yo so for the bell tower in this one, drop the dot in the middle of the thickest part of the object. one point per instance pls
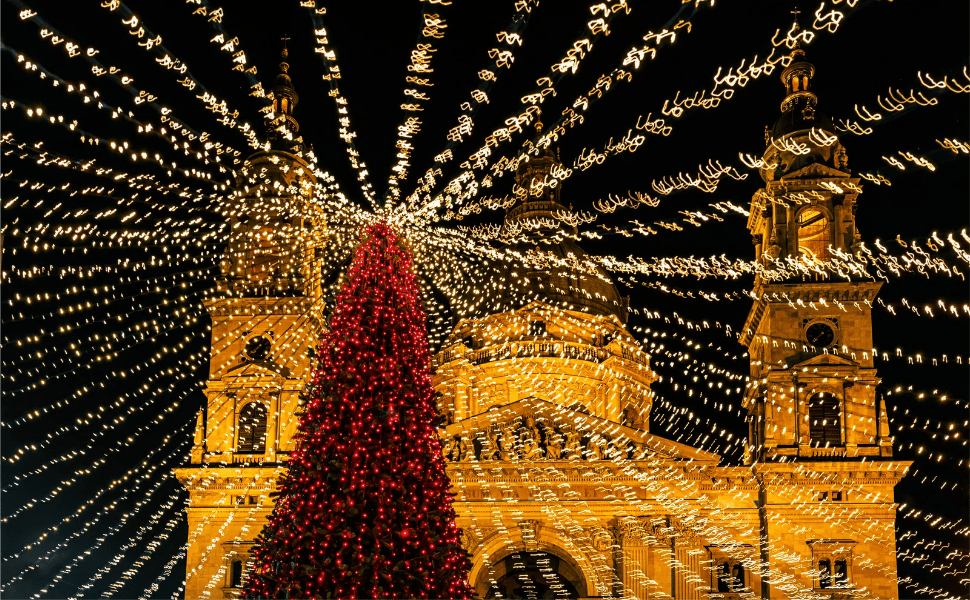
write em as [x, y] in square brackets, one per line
[819, 440]
[264, 320]
[809, 333]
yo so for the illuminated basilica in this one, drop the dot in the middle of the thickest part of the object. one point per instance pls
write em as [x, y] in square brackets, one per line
[562, 489]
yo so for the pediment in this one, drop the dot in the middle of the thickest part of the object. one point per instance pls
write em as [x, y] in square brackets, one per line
[485, 432]
[816, 171]
[826, 359]
[258, 368]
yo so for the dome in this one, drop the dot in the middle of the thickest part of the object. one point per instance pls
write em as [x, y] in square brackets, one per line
[802, 117]
[568, 288]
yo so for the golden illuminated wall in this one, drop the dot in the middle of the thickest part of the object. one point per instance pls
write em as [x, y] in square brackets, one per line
[262, 328]
[819, 441]
[550, 450]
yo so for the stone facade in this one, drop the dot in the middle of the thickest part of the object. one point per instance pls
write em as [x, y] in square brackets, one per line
[561, 488]
[267, 318]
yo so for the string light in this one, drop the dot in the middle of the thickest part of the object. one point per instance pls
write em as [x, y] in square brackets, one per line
[173, 221]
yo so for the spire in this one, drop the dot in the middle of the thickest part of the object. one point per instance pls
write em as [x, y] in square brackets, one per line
[537, 192]
[798, 77]
[285, 97]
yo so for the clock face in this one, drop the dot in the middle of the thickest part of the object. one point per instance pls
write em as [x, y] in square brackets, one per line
[820, 335]
[257, 348]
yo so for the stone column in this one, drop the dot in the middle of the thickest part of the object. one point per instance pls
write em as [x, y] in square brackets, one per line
[688, 575]
[273, 432]
[660, 571]
[631, 559]
[461, 400]
[634, 571]
[838, 237]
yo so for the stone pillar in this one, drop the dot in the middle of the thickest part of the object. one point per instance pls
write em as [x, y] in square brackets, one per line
[273, 425]
[660, 571]
[688, 573]
[633, 571]
[461, 400]
[633, 557]
[838, 237]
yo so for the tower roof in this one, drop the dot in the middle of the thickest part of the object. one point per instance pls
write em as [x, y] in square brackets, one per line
[283, 126]
[798, 110]
[540, 213]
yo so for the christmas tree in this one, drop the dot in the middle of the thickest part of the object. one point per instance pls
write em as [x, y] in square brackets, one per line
[364, 510]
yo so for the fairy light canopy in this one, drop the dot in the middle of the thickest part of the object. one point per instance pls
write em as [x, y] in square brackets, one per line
[150, 171]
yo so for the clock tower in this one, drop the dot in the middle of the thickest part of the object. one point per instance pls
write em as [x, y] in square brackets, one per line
[264, 319]
[819, 439]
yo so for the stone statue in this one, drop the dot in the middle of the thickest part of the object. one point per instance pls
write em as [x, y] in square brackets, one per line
[594, 447]
[572, 449]
[507, 444]
[602, 540]
[529, 437]
[490, 447]
[554, 443]
[447, 448]
[466, 450]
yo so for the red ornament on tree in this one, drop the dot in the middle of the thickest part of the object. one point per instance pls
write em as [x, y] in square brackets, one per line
[364, 510]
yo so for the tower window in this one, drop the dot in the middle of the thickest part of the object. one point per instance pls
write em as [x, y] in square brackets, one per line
[841, 573]
[737, 576]
[730, 577]
[813, 234]
[235, 577]
[823, 420]
[723, 578]
[825, 574]
[252, 428]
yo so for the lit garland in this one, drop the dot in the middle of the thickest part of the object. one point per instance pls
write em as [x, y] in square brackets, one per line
[445, 260]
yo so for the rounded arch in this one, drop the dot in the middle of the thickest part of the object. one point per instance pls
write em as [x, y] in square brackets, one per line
[814, 231]
[496, 548]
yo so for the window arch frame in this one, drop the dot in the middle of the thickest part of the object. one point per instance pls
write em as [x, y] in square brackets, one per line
[832, 552]
[253, 448]
[822, 435]
[825, 231]
[823, 568]
[725, 580]
[236, 577]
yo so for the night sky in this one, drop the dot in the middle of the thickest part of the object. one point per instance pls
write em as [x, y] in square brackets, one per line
[74, 418]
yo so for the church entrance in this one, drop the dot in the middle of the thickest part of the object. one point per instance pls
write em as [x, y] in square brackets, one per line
[533, 575]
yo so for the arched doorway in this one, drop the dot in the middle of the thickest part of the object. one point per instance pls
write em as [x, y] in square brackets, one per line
[533, 575]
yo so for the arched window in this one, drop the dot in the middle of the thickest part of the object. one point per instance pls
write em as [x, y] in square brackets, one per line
[841, 573]
[724, 577]
[813, 234]
[737, 576]
[823, 420]
[824, 574]
[235, 577]
[252, 428]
